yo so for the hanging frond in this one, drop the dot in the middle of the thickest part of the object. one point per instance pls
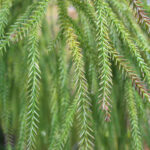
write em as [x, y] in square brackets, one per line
[22, 134]
[24, 24]
[123, 64]
[33, 89]
[54, 121]
[60, 139]
[125, 36]
[83, 108]
[22, 120]
[143, 18]
[133, 117]
[103, 58]
[62, 77]
[4, 12]
[126, 15]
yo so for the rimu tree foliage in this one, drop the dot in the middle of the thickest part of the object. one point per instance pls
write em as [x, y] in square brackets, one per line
[74, 80]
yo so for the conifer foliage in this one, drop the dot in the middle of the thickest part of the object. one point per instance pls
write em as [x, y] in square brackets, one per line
[74, 74]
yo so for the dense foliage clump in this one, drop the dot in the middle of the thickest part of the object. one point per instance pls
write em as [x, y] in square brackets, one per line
[74, 74]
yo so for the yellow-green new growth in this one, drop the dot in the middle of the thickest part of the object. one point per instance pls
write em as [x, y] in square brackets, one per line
[83, 109]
